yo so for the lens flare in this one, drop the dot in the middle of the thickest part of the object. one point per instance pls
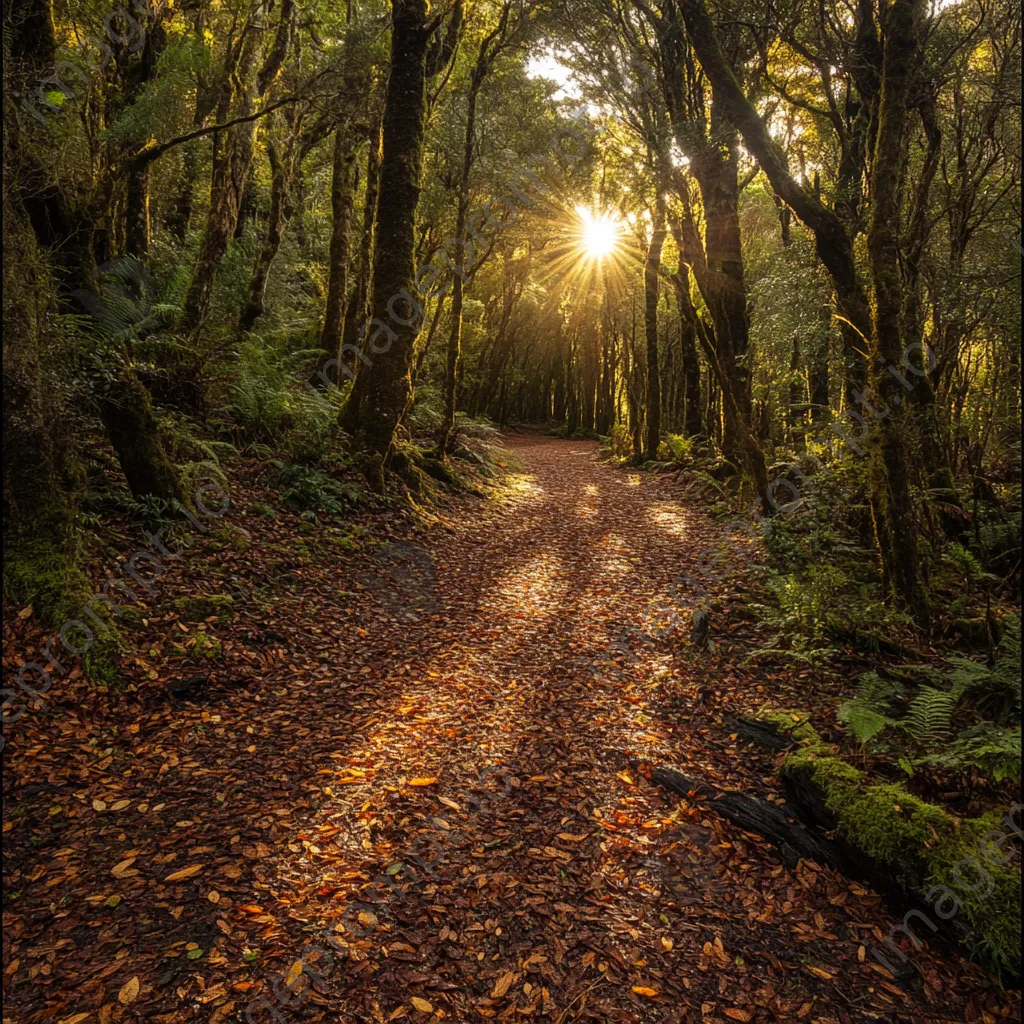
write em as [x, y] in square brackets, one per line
[600, 233]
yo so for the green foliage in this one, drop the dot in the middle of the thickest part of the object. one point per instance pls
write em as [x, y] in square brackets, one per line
[310, 490]
[258, 403]
[867, 714]
[677, 449]
[823, 602]
[994, 751]
[921, 734]
[619, 444]
[924, 844]
[996, 689]
[929, 716]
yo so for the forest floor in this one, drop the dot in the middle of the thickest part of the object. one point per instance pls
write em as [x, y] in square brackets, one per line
[452, 710]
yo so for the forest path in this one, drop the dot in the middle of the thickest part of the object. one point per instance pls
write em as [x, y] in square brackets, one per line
[454, 792]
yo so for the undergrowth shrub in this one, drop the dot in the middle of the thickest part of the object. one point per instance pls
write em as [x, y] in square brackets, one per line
[311, 490]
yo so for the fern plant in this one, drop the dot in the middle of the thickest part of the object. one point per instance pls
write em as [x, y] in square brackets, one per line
[992, 750]
[868, 713]
[929, 716]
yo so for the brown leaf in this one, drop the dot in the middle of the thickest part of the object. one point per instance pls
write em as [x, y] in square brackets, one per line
[184, 873]
[502, 985]
[124, 869]
[422, 1005]
[129, 991]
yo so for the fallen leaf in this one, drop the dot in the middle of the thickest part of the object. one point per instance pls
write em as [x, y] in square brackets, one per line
[502, 985]
[129, 991]
[293, 973]
[428, 781]
[421, 1004]
[122, 870]
[188, 872]
[643, 990]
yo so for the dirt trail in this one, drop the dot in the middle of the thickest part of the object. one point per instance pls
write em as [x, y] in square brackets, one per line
[461, 740]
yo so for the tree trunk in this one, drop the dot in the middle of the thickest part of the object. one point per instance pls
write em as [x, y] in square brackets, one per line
[358, 316]
[652, 272]
[892, 499]
[388, 386]
[282, 167]
[40, 545]
[833, 244]
[342, 203]
[137, 211]
[127, 415]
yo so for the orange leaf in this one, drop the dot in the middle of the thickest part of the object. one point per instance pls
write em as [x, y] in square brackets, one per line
[129, 991]
[184, 873]
[643, 990]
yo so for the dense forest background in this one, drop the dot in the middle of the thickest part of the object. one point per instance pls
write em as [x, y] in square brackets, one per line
[768, 247]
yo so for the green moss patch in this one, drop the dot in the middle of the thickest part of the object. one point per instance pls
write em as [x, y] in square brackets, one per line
[205, 647]
[203, 606]
[934, 854]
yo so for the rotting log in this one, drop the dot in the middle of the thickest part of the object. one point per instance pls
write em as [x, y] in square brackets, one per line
[790, 837]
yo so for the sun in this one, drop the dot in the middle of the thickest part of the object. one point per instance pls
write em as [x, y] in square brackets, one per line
[599, 233]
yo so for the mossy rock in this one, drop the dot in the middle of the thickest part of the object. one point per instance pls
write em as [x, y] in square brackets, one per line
[45, 573]
[356, 539]
[101, 662]
[205, 647]
[201, 607]
[229, 538]
[130, 617]
[924, 847]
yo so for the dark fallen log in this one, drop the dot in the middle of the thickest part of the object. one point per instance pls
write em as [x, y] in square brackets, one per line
[789, 835]
[764, 734]
[187, 689]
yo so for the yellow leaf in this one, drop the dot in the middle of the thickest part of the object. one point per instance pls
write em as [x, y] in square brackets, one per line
[293, 973]
[129, 991]
[99, 805]
[188, 872]
[428, 781]
[422, 1005]
[643, 990]
[120, 805]
[76, 1019]
[121, 870]
[502, 985]
[666, 943]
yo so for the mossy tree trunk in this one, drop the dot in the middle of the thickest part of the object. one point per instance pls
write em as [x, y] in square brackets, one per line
[892, 500]
[692, 420]
[652, 274]
[244, 84]
[127, 414]
[395, 306]
[40, 544]
[343, 188]
[282, 170]
[357, 316]
[388, 387]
